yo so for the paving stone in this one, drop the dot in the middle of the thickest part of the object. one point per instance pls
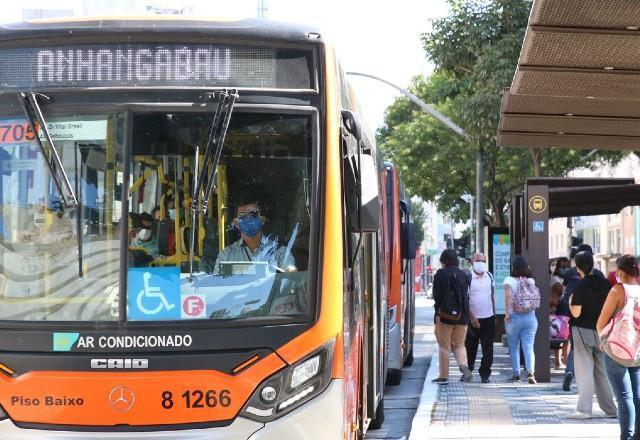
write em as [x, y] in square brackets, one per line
[503, 403]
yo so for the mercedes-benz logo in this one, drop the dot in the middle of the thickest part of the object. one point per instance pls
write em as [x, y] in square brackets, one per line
[122, 398]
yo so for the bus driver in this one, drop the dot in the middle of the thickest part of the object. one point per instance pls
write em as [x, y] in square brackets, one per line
[253, 245]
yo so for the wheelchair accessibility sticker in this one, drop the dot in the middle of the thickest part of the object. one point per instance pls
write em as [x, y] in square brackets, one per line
[153, 294]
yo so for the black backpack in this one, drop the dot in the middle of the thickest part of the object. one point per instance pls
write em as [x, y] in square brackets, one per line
[452, 304]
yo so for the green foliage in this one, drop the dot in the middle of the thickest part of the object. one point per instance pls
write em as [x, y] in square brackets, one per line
[419, 218]
[475, 51]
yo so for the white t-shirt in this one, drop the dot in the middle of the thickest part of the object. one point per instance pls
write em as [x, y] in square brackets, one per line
[480, 302]
[513, 282]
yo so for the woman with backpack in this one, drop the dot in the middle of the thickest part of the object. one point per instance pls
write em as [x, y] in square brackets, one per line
[587, 301]
[624, 374]
[522, 298]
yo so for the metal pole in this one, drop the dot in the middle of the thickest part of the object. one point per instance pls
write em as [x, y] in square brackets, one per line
[471, 233]
[479, 202]
[460, 132]
[423, 105]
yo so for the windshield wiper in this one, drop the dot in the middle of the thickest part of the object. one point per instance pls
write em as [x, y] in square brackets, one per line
[32, 111]
[212, 153]
[31, 108]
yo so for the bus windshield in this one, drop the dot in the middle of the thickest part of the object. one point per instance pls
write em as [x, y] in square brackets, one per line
[251, 249]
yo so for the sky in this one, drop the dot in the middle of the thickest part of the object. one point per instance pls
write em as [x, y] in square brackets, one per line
[375, 37]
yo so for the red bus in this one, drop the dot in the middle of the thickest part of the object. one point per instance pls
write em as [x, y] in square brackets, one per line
[402, 252]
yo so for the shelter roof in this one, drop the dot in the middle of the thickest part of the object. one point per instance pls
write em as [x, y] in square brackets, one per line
[577, 83]
[572, 197]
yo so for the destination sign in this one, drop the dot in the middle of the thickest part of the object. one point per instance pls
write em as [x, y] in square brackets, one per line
[144, 65]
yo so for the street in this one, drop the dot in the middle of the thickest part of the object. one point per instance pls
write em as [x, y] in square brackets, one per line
[401, 402]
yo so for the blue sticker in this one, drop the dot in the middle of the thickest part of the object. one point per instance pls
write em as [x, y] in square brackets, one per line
[64, 341]
[153, 294]
[538, 226]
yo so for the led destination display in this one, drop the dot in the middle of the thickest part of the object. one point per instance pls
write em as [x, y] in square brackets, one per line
[143, 65]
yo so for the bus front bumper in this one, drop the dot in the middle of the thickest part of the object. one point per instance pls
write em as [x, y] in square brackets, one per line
[320, 418]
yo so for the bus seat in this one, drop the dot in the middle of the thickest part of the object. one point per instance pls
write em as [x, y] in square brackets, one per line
[166, 238]
[139, 258]
[185, 233]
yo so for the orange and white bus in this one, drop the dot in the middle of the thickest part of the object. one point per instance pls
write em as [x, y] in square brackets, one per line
[401, 293]
[189, 234]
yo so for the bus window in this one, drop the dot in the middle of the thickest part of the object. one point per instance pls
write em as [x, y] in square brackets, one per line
[251, 246]
[47, 274]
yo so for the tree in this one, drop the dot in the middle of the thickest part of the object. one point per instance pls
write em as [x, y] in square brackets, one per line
[475, 51]
[419, 218]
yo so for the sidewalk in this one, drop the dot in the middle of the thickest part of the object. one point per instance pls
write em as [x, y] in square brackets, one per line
[501, 410]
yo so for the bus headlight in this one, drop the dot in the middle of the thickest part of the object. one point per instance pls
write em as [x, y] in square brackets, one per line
[291, 387]
[305, 371]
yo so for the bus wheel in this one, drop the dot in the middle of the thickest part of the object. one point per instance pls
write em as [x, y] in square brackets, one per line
[378, 419]
[394, 376]
[409, 360]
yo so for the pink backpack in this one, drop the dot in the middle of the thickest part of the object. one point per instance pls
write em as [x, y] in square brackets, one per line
[621, 336]
[558, 328]
[526, 297]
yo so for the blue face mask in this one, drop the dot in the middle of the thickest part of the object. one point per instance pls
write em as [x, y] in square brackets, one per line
[250, 226]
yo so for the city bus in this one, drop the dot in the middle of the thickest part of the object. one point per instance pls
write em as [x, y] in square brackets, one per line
[401, 293]
[190, 241]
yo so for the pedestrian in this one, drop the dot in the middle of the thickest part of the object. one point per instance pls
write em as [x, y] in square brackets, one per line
[559, 311]
[625, 381]
[587, 301]
[482, 310]
[522, 298]
[571, 279]
[451, 296]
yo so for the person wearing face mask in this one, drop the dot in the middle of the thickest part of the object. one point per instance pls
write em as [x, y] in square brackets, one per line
[143, 236]
[571, 279]
[587, 300]
[253, 245]
[482, 312]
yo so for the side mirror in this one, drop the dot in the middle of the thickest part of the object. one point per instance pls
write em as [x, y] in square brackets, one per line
[407, 233]
[409, 247]
[364, 211]
[351, 122]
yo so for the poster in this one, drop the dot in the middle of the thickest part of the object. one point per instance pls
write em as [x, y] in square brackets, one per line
[501, 253]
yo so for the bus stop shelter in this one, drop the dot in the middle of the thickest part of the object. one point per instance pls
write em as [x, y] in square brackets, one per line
[577, 85]
[547, 198]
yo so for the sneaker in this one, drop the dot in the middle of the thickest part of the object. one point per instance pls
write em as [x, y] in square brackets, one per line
[515, 378]
[467, 376]
[485, 380]
[566, 383]
[610, 416]
[579, 416]
[440, 381]
[531, 379]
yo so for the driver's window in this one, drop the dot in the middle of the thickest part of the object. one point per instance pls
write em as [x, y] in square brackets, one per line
[251, 246]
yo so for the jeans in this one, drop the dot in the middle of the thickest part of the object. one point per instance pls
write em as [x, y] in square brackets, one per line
[522, 331]
[484, 336]
[625, 383]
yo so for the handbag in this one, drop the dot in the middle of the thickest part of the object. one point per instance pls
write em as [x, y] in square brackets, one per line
[558, 328]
